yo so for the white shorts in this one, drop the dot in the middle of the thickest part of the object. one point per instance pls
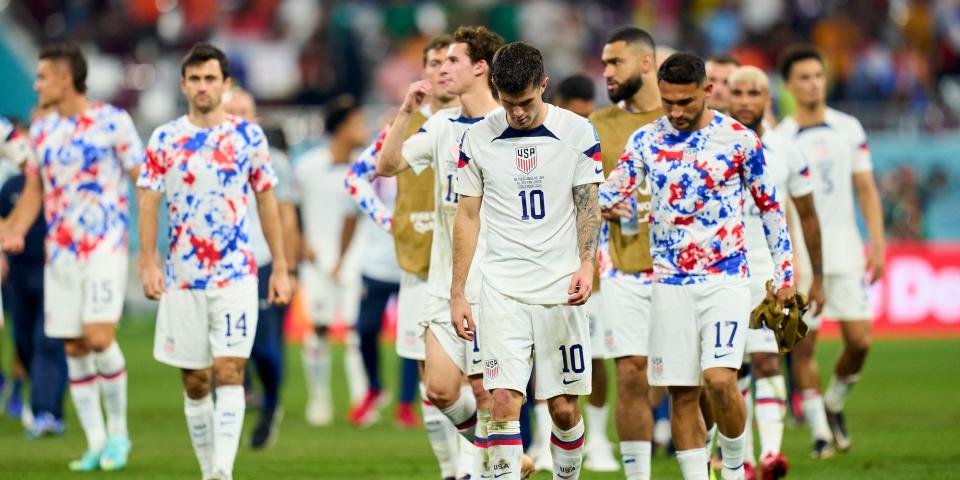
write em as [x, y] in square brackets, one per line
[194, 326]
[761, 340]
[465, 354]
[411, 306]
[518, 337]
[697, 327]
[325, 298]
[85, 292]
[629, 322]
[600, 334]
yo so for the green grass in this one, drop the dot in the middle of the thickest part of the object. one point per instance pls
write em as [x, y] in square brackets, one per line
[904, 418]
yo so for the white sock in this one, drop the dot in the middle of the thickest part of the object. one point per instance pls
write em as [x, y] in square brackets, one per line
[86, 399]
[541, 434]
[227, 425]
[816, 416]
[505, 449]
[463, 415]
[596, 424]
[636, 459]
[482, 455]
[748, 428]
[113, 385]
[770, 409]
[466, 457]
[731, 453]
[837, 391]
[199, 415]
[661, 431]
[316, 364]
[441, 434]
[693, 464]
[357, 381]
[711, 435]
[567, 449]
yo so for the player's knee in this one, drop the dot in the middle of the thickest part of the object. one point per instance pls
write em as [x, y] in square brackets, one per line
[98, 339]
[442, 398]
[564, 415]
[75, 347]
[859, 345]
[766, 365]
[229, 372]
[719, 380]
[632, 377]
[196, 384]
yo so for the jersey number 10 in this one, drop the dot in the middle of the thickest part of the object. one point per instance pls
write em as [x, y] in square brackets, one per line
[533, 199]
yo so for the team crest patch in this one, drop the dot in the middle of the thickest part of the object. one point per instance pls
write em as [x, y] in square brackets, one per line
[491, 369]
[526, 159]
[657, 366]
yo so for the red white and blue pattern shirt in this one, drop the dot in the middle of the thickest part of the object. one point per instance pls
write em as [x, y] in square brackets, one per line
[697, 182]
[207, 174]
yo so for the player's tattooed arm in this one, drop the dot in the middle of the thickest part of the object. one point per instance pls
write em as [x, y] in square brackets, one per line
[587, 203]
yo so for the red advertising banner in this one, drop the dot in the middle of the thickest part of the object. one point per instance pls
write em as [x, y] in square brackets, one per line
[920, 293]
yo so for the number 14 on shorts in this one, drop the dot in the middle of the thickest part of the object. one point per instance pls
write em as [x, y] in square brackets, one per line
[240, 325]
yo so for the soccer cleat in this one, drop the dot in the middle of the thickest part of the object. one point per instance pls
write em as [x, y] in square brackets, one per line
[600, 457]
[319, 410]
[89, 462]
[838, 425]
[368, 412]
[405, 417]
[14, 406]
[218, 475]
[267, 430]
[114, 456]
[45, 424]
[773, 467]
[821, 449]
[749, 472]
[527, 467]
[796, 407]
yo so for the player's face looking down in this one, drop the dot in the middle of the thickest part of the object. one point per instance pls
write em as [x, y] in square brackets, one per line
[579, 106]
[203, 85]
[684, 103]
[431, 72]
[458, 71]
[717, 75]
[354, 130]
[525, 110]
[623, 68]
[52, 83]
[748, 102]
[807, 82]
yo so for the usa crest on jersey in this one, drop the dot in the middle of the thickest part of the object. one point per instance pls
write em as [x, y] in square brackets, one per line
[526, 159]
[491, 369]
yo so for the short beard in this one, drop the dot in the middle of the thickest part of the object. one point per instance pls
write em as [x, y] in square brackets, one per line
[627, 89]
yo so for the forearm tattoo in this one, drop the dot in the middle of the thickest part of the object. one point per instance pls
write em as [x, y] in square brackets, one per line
[587, 202]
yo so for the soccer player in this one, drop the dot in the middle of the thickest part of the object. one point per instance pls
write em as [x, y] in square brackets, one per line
[719, 68]
[749, 96]
[411, 223]
[84, 149]
[836, 146]
[699, 163]
[535, 168]
[448, 357]
[624, 253]
[576, 93]
[205, 163]
[267, 351]
[330, 271]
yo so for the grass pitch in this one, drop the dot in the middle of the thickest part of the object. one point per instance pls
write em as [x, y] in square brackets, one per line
[904, 417]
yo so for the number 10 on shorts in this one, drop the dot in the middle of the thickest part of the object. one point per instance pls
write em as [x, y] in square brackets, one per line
[572, 358]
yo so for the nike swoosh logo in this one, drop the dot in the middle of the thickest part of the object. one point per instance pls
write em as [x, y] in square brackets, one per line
[475, 362]
[501, 474]
[568, 382]
[231, 345]
[721, 356]
[559, 475]
[598, 171]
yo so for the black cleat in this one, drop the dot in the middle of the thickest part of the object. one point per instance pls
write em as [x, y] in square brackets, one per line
[821, 449]
[841, 438]
[267, 429]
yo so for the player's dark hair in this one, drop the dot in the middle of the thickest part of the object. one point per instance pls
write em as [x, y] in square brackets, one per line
[338, 111]
[681, 69]
[633, 35]
[794, 54]
[203, 53]
[435, 43]
[73, 57]
[516, 67]
[482, 44]
[724, 59]
[575, 87]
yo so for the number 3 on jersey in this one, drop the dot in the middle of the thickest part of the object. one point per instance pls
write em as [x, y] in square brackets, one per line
[531, 204]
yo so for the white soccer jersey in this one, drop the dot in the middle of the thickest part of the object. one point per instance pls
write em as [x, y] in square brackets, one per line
[835, 150]
[789, 172]
[526, 179]
[437, 144]
[14, 146]
[324, 206]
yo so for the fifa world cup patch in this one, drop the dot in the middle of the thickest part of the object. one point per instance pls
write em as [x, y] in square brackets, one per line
[526, 159]
[491, 369]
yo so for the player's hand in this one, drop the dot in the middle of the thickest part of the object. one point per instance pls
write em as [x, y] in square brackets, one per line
[280, 289]
[418, 93]
[151, 276]
[620, 210]
[784, 296]
[581, 285]
[876, 262]
[12, 242]
[307, 253]
[335, 271]
[461, 315]
[815, 295]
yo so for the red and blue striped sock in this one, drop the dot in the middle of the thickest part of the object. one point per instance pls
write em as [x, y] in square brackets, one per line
[505, 449]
